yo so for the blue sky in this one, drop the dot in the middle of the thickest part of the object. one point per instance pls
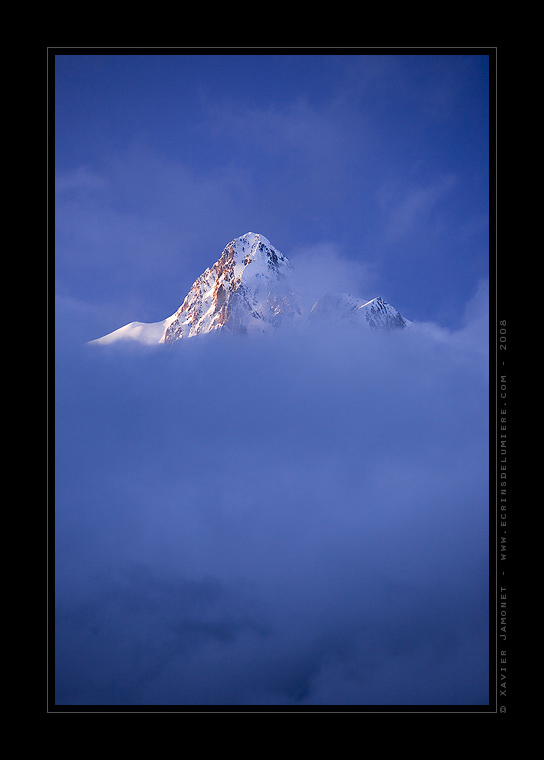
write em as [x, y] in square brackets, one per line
[380, 161]
[296, 521]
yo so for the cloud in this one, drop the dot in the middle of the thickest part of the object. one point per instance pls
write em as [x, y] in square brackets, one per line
[281, 521]
[293, 128]
[82, 179]
[143, 225]
[323, 267]
[308, 163]
[472, 339]
[410, 208]
[475, 331]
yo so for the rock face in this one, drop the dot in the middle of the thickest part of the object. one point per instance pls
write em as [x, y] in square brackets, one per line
[251, 288]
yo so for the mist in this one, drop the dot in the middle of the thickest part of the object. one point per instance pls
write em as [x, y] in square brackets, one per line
[291, 520]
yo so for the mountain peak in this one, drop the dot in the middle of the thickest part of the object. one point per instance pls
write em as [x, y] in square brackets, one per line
[342, 307]
[251, 237]
[251, 288]
[243, 291]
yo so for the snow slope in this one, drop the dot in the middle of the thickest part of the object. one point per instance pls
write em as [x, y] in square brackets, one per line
[148, 333]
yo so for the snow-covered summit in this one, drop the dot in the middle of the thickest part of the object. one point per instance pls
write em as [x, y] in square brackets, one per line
[251, 288]
[342, 307]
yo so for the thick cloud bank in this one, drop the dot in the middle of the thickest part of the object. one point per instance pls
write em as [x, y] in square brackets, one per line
[281, 521]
